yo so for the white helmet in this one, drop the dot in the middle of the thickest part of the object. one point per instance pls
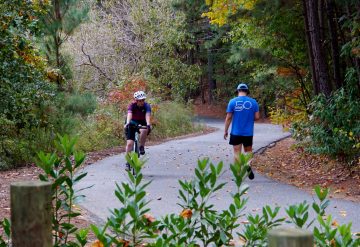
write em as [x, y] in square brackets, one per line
[139, 95]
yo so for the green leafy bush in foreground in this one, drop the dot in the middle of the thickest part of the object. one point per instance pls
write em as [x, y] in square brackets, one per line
[199, 223]
[59, 168]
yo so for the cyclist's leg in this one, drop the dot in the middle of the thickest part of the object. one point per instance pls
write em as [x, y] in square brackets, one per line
[142, 140]
[130, 136]
[143, 135]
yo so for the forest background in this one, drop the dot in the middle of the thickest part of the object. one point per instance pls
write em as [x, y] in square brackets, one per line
[71, 66]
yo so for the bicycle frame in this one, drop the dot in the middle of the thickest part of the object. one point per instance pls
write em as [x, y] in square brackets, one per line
[136, 143]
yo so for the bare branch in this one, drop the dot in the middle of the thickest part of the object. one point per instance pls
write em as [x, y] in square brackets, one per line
[91, 63]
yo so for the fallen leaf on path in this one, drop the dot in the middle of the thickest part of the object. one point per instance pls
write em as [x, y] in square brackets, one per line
[343, 213]
[186, 213]
[97, 243]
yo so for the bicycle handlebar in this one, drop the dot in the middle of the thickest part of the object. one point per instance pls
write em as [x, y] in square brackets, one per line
[141, 126]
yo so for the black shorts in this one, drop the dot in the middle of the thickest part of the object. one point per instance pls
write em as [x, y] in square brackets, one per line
[130, 130]
[247, 141]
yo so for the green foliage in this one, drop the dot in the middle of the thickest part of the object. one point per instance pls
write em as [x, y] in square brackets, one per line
[6, 230]
[25, 94]
[205, 224]
[131, 223]
[59, 168]
[255, 232]
[20, 144]
[299, 214]
[198, 223]
[327, 235]
[333, 128]
[19, 148]
[83, 104]
[172, 123]
[60, 21]
[101, 130]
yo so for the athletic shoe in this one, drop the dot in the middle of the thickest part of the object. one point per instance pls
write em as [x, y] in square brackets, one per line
[251, 174]
[127, 167]
[142, 150]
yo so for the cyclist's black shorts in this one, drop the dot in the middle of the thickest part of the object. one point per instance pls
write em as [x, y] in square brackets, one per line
[130, 130]
[247, 141]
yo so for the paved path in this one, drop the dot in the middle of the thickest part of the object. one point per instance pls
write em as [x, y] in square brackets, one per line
[174, 160]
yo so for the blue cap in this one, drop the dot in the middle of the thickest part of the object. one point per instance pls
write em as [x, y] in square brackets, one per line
[242, 86]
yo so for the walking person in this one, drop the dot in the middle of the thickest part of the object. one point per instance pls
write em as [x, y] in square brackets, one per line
[242, 111]
[138, 113]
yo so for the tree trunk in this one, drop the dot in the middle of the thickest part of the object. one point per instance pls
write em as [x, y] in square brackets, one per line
[211, 80]
[319, 57]
[355, 62]
[321, 6]
[335, 52]
[57, 43]
[310, 52]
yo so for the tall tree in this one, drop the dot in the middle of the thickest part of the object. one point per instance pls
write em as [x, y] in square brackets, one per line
[62, 18]
[318, 55]
[209, 50]
[335, 49]
[199, 31]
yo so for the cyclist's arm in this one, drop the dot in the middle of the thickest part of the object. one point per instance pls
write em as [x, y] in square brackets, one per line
[128, 117]
[148, 118]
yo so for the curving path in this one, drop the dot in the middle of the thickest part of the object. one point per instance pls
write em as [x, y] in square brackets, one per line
[168, 162]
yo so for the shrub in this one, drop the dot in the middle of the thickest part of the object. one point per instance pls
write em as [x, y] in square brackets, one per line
[333, 128]
[101, 130]
[173, 119]
[60, 168]
[83, 104]
[19, 143]
[199, 223]
[104, 128]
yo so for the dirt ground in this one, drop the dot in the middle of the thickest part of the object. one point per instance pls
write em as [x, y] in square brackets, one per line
[283, 162]
[289, 164]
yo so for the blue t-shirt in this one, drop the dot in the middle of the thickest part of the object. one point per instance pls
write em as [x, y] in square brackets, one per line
[243, 110]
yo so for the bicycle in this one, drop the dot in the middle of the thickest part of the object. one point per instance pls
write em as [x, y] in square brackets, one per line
[136, 143]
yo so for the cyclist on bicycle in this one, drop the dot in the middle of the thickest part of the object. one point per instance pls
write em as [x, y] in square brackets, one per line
[139, 113]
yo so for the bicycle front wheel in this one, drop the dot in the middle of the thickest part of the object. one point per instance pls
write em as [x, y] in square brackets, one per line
[136, 147]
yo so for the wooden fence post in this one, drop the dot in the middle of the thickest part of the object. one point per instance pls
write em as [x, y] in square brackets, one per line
[290, 237]
[31, 214]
